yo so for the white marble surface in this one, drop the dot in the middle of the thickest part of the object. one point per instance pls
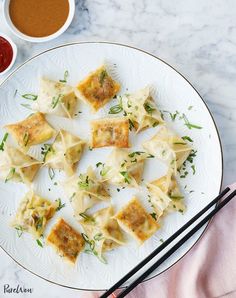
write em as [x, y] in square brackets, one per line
[197, 37]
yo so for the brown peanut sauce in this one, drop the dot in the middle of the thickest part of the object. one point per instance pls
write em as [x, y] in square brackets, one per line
[38, 18]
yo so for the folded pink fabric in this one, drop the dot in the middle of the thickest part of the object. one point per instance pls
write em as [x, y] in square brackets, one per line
[207, 271]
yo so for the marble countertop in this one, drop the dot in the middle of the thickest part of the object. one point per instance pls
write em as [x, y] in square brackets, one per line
[197, 37]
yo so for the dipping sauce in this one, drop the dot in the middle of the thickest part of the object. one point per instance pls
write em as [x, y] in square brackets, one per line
[38, 18]
[6, 54]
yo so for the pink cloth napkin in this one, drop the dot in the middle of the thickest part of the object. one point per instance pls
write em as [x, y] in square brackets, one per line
[207, 271]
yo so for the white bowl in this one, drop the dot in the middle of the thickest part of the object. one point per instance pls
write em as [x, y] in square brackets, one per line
[14, 48]
[38, 39]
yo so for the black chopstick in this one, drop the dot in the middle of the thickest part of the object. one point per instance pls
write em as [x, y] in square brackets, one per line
[176, 246]
[163, 245]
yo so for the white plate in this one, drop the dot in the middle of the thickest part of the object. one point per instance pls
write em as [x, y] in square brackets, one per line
[135, 69]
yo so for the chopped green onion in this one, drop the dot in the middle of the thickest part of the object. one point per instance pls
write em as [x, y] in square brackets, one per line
[87, 217]
[60, 205]
[39, 243]
[51, 173]
[162, 115]
[155, 124]
[10, 175]
[154, 215]
[172, 115]
[30, 96]
[73, 195]
[55, 100]
[129, 105]
[98, 237]
[192, 155]
[115, 109]
[131, 125]
[19, 231]
[3, 141]
[86, 238]
[126, 176]
[99, 164]
[39, 223]
[66, 74]
[188, 124]
[184, 174]
[104, 171]
[187, 138]
[179, 143]
[193, 168]
[176, 197]
[148, 108]
[136, 153]
[102, 76]
[91, 248]
[83, 183]
[27, 106]
[45, 150]
[26, 138]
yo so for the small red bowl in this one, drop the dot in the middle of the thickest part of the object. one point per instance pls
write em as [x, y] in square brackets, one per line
[14, 49]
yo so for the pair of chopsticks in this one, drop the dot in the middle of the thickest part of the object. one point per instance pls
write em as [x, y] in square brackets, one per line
[167, 242]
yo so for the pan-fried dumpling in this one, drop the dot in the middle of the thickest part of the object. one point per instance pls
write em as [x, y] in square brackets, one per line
[141, 109]
[168, 147]
[124, 168]
[98, 88]
[110, 132]
[31, 131]
[65, 152]
[85, 191]
[135, 220]
[33, 214]
[16, 166]
[66, 241]
[102, 232]
[165, 195]
[56, 98]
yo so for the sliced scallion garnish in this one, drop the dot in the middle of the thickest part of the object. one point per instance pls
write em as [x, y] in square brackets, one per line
[51, 173]
[30, 96]
[60, 205]
[66, 75]
[10, 174]
[26, 138]
[3, 141]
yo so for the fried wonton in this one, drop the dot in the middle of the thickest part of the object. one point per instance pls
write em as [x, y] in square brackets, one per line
[98, 88]
[65, 152]
[56, 98]
[165, 195]
[16, 166]
[102, 232]
[168, 147]
[66, 240]
[85, 191]
[135, 221]
[33, 214]
[124, 168]
[31, 131]
[110, 132]
[141, 109]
